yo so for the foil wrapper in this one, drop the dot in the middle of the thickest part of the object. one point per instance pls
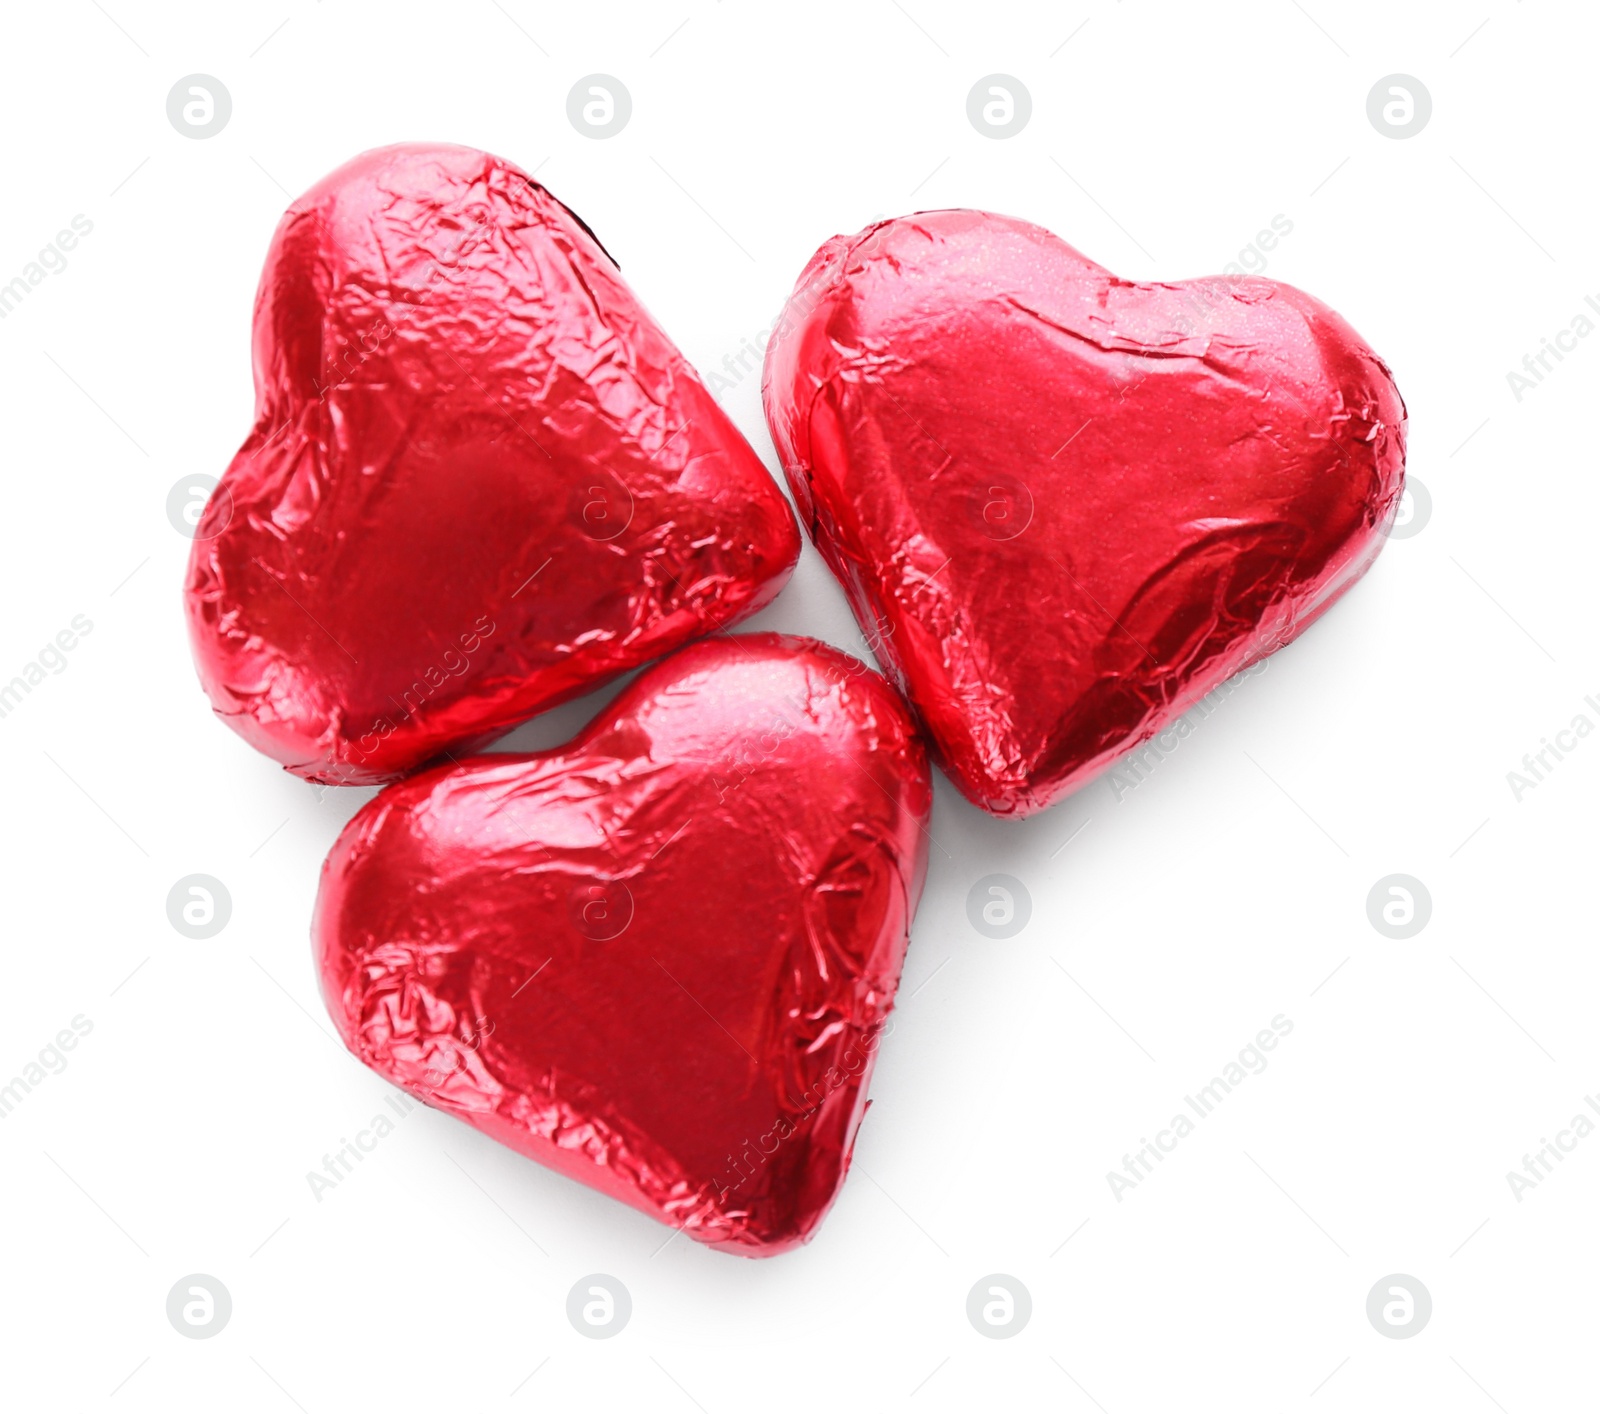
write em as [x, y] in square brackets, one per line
[481, 480]
[1066, 506]
[661, 958]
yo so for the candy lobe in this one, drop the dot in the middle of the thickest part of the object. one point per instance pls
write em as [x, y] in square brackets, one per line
[481, 479]
[1065, 506]
[660, 959]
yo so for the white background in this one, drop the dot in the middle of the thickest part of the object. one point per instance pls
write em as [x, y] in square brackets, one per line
[1226, 889]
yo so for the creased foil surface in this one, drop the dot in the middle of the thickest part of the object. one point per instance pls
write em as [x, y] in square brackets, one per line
[481, 480]
[1066, 506]
[660, 959]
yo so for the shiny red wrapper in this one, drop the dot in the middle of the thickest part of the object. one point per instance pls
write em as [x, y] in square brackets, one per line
[659, 959]
[481, 480]
[1066, 506]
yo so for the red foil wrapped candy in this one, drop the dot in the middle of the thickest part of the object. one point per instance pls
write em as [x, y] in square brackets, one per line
[659, 959]
[481, 480]
[1066, 506]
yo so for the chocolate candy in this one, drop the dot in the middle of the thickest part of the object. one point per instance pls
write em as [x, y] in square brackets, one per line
[1066, 506]
[660, 959]
[481, 480]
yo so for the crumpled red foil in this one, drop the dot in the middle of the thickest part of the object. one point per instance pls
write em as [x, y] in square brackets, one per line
[660, 959]
[481, 479]
[1066, 506]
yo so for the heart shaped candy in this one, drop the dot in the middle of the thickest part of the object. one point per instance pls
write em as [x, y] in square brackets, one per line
[1066, 506]
[481, 480]
[660, 958]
